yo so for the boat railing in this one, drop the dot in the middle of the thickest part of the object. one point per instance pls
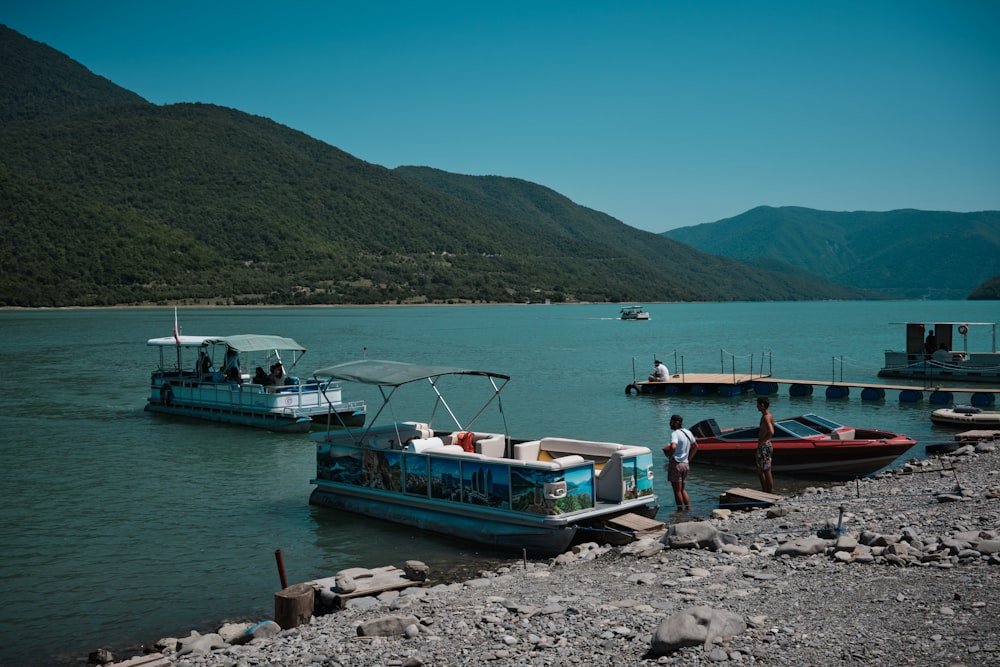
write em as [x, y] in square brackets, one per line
[247, 395]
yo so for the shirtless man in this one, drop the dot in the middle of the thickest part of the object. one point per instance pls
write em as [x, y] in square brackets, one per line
[764, 448]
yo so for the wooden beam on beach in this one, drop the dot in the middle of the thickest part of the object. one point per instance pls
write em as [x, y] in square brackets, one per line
[367, 582]
[637, 524]
[740, 498]
[150, 660]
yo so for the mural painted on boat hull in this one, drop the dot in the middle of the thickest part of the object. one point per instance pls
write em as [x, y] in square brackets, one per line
[637, 476]
[544, 492]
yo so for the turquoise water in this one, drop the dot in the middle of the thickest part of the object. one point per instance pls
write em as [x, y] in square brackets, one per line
[121, 527]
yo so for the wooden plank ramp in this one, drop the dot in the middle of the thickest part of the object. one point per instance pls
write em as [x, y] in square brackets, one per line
[741, 499]
[150, 660]
[367, 581]
[631, 527]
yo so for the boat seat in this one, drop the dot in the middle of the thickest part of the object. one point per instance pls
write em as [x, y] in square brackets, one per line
[843, 435]
[420, 444]
[569, 461]
[582, 447]
[490, 444]
[527, 451]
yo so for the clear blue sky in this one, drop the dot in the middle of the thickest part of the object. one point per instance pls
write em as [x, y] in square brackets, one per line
[662, 114]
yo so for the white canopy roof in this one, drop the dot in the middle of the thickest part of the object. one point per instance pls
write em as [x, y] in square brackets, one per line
[393, 373]
[240, 343]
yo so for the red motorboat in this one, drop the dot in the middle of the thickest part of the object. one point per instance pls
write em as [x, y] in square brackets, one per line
[808, 444]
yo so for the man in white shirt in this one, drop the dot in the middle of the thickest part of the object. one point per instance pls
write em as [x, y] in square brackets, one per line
[680, 452]
[660, 372]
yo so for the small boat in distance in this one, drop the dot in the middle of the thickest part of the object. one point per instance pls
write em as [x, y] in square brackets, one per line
[480, 486]
[634, 313]
[966, 415]
[934, 353]
[210, 377]
[808, 444]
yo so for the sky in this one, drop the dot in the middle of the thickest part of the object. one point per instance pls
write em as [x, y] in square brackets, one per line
[661, 114]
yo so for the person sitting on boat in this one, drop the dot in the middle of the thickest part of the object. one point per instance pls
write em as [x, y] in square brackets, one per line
[278, 377]
[930, 345]
[942, 353]
[233, 375]
[262, 378]
[660, 372]
[204, 366]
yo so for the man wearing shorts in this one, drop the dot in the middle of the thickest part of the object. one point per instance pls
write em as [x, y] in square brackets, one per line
[764, 447]
[680, 453]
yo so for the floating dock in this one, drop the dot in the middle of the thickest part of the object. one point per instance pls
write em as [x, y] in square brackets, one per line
[735, 384]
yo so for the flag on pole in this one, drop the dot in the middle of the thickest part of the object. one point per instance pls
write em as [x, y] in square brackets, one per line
[177, 334]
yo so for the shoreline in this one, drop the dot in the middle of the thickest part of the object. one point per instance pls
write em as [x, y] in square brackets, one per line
[879, 572]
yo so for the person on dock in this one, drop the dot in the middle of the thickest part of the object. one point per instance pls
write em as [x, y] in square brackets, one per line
[681, 451]
[764, 447]
[660, 372]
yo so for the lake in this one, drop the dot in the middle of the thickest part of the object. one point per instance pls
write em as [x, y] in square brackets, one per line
[121, 527]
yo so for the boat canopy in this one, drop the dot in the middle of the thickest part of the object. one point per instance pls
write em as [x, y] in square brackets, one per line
[394, 373]
[239, 343]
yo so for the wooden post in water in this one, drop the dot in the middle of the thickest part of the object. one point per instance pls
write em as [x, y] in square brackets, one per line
[281, 568]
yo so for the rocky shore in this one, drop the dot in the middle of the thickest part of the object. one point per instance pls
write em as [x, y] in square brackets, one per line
[901, 569]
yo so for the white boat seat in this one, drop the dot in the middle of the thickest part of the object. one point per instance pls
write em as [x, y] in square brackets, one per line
[490, 444]
[582, 447]
[527, 451]
[420, 444]
[569, 461]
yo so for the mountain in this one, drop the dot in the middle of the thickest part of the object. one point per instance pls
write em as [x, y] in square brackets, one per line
[905, 253]
[107, 199]
[988, 291]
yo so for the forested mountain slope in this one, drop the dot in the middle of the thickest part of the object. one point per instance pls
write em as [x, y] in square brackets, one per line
[904, 253]
[107, 199]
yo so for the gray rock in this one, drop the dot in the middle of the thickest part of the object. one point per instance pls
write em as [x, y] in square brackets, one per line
[803, 546]
[199, 644]
[987, 546]
[263, 630]
[416, 570]
[696, 626]
[233, 632]
[344, 583]
[386, 626]
[692, 535]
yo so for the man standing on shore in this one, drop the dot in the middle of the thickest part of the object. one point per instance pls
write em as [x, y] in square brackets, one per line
[764, 447]
[680, 452]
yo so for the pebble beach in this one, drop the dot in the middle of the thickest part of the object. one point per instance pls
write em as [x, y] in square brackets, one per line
[898, 569]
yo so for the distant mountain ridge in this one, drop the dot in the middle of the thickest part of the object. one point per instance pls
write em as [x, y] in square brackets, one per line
[904, 253]
[107, 199]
